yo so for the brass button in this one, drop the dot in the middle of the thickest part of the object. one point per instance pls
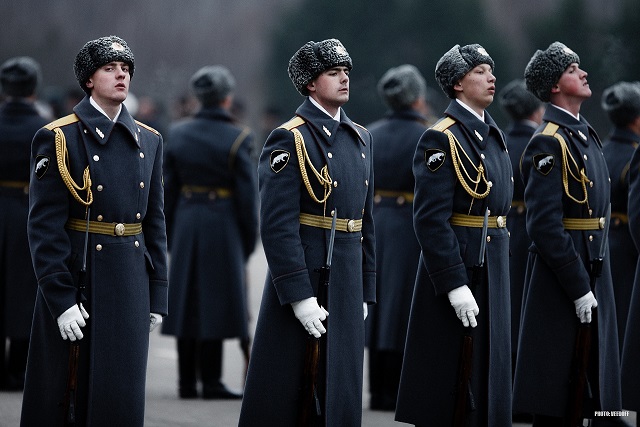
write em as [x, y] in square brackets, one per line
[509, 234]
[142, 185]
[488, 239]
[96, 157]
[489, 184]
[590, 212]
[138, 216]
[377, 198]
[100, 187]
[136, 243]
[142, 155]
[363, 156]
[100, 218]
[329, 155]
[335, 183]
[400, 200]
[362, 212]
[500, 221]
[511, 179]
[585, 157]
[591, 184]
[98, 247]
[482, 156]
[119, 229]
[366, 182]
[361, 239]
[520, 209]
[333, 212]
[591, 238]
[351, 225]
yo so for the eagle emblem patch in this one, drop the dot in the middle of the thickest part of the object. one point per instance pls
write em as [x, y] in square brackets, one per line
[278, 160]
[42, 164]
[544, 162]
[434, 158]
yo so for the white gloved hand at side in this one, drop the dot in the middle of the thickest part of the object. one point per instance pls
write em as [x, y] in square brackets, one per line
[584, 305]
[71, 321]
[154, 320]
[465, 305]
[311, 315]
[365, 309]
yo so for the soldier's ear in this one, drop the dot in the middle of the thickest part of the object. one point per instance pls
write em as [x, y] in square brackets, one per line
[311, 86]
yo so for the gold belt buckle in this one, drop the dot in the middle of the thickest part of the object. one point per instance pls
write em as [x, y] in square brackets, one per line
[500, 221]
[119, 229]
[601, 222]
[351, 225]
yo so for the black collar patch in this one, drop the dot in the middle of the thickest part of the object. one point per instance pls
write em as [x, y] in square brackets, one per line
[279, 159]
[42, 164]
[434, 158]
[544, 162]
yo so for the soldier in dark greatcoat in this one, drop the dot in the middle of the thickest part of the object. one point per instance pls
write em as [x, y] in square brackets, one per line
[211, 196]
[397, 251]
[315, 166]
[525, 112]
[96, 197]
[621, 102]
[567, 196]
[462, 169]
[19, 121]
[631, 348]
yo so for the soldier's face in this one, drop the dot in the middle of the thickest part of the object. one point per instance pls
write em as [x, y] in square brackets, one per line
[331, 88]
[573, 82]
[478, 87]
[110, 83]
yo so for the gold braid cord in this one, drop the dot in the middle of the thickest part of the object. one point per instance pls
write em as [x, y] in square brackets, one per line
[62, 157]
[566, 170]
[322, 176]
[455, 146]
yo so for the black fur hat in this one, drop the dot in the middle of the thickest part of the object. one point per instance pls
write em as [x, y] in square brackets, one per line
[457, 62]
[96, 53]
[546, 67]
[313, 58]
[212, 84]
[621, 102]
[20, 76]
[401, 86]
[517, 101]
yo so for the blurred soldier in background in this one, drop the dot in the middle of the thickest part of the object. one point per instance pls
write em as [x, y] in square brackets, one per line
[621, 102]
[19, 121]
[567, 196]
[395, 138]
[211, 200]
[462, 171]
[317, 162]
[525, 112]
[97, 237]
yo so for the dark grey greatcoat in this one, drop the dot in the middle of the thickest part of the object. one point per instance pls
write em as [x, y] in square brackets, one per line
[397, 251]
[518, 135]
[618, 150]
[293, 251]
[19, 121]
[558, 271]
[429, 373]
[126, 275]
[210, 237]
[631, 349]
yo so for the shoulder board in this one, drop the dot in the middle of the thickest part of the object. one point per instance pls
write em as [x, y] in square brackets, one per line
[63, 121]
[147, 127]
[550, 129]
[443, 124]
[293, 123]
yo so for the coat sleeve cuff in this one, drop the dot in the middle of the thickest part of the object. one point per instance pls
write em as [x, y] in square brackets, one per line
[574, 278]
[369, 290]
[449, 278]
[293, 286]
[159, 297]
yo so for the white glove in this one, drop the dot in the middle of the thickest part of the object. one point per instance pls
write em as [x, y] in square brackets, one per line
[465, 305]
[584, 304]
[365, 308]
[154, 320]
[311, 315]
[71, 321]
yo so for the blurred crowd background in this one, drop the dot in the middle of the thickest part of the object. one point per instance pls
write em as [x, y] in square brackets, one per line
[255, 39]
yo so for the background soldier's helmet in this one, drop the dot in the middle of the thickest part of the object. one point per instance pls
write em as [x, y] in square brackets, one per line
[212, 84]
[20, 76]
[457, 62]
[621, 102]
[401, 86]
[546, 67]
[96, 53]
[313, 58]
[517, 101]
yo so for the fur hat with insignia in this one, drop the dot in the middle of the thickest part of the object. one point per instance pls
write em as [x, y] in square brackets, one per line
[546, 67]
[212, 84]
[621, 102]
[20, 76]
[96, 53]
[457, 62]
[401, 86]
[313, 58]
[517, 101]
